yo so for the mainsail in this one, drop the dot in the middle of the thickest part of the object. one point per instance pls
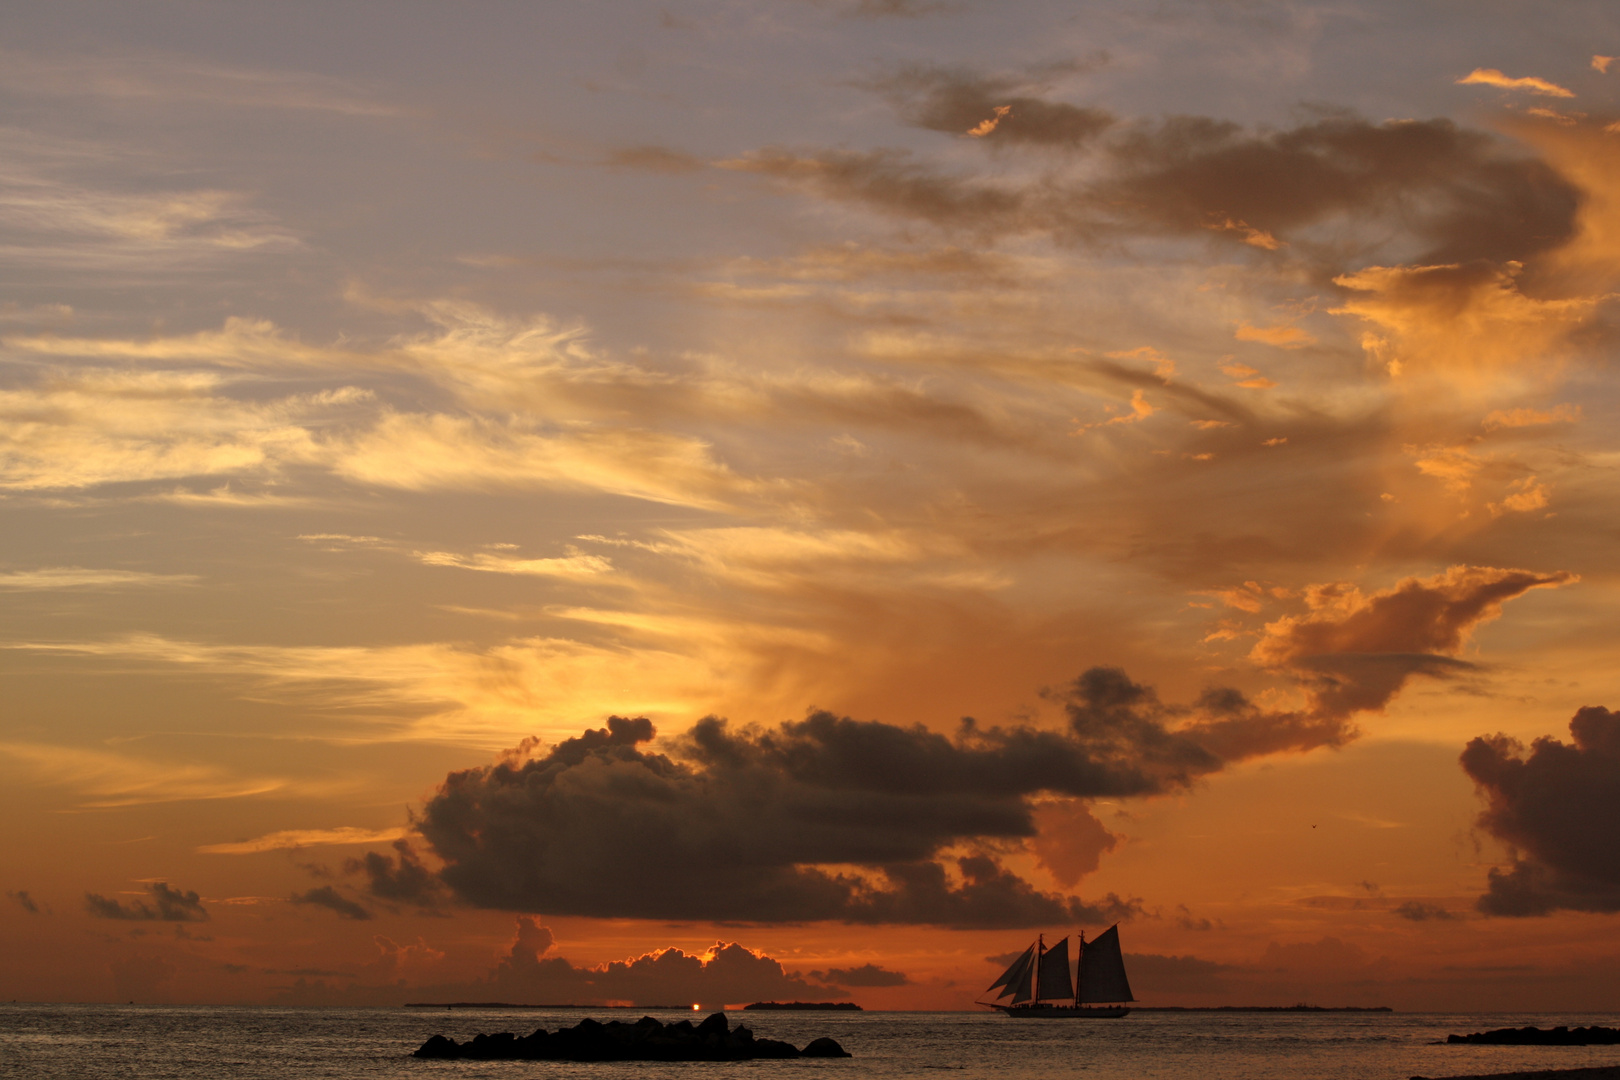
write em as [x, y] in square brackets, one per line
[1015, 979]
[1102, 970]
[1053, 980]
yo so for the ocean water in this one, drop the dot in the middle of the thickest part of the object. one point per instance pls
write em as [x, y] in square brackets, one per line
[214, 1043]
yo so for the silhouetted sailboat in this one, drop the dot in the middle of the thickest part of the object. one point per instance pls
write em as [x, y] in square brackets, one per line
[1038, 984]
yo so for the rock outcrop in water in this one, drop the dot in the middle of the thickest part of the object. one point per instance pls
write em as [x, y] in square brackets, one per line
[1533, 1036]
[645, 1040]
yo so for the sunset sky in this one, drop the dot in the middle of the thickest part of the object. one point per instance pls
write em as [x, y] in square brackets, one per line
[493, 493]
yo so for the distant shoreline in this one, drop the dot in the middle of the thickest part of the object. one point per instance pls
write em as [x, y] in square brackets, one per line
[849, 1006]
[1262, 1008]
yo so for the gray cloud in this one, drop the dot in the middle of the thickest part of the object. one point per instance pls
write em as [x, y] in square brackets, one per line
[1453, 188]
[1153, 973]
[172, 905]
[328, 897]
[865, 975]
[726, 974]
[1456, 194]
[1417, 911]
[400, 878]
[999, 110]
[24, 901]
[1557, 808]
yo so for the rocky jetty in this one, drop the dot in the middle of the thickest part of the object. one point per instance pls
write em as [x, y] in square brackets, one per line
[1533, 1036]
[645, 1040]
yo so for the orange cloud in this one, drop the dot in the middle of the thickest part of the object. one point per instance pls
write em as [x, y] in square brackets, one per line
[1460, 320]
[1416, 616]
[1245, 376]
[1252, 236]
[1283, 336]
[1601, 63]
[1493, 77]
[985, 127]
[1523, 417]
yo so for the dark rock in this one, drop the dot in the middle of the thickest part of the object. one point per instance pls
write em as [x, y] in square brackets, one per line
[644, 1040]
[1534, 1036]
[438, 1047]
[824, 1047]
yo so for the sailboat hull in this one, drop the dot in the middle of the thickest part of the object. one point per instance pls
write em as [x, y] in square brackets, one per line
[1070, 1012]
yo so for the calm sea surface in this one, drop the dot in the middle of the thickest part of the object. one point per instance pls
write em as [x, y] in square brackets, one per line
[102, 1041]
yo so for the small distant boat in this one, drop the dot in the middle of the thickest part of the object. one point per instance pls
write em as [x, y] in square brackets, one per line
[1038, 983]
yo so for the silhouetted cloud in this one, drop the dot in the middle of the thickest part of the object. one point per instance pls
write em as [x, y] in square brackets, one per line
[1556, 807]
[24, 901]
[172, 905]
[400, 877]
[740, 828]
[865, 975]
[328, 897]
[865, 822]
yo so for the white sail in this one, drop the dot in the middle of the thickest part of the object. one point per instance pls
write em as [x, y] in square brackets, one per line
[1052, 982]
[1102, 970]
[1016, 977]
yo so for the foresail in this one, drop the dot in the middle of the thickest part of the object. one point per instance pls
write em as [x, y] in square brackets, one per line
[1102, 970]
[1016, 977]
[1053, 980]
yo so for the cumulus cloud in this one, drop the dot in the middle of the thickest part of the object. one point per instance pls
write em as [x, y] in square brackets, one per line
[1355, 651]
[763, 825]
[400, 877]
[168, 905]
[1071, 842]
[1556, 808]
[327, 897]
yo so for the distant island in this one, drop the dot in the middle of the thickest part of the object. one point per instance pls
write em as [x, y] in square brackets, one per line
[813, 1006]
[1261, 1008]
[511, 1005]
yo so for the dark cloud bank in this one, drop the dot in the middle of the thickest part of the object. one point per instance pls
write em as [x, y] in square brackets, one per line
[168, 905]
[830, 818]
[1460, 194]
[1558, 808]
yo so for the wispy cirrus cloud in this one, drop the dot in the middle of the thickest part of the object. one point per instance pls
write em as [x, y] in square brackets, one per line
[49, 578]
[1533, 83]
[293, 839]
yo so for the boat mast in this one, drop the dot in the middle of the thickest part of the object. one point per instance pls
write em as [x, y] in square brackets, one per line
[1079, 964]
[1040, 951]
